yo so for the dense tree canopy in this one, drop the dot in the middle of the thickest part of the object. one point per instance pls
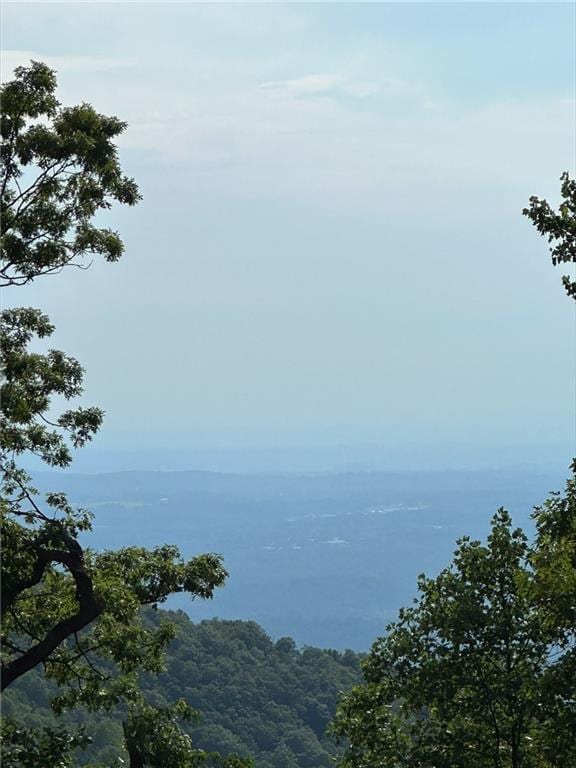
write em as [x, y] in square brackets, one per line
[254, 696]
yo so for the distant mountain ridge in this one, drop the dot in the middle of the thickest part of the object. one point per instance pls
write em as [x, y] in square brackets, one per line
[276, 483]
[178, 452]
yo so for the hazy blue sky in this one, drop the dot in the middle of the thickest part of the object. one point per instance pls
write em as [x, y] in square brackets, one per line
[330, 248]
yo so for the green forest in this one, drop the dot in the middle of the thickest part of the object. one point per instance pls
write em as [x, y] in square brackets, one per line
[479, 672]
[254, 697]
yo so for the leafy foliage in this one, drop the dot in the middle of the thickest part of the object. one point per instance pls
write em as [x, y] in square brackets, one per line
[48, 747]
[554, 558]
[252, 696]
[473, 674]
[559, 227]
[153, 737]
[60, 603]
[30, 382]
[59, 167]
[256, 697]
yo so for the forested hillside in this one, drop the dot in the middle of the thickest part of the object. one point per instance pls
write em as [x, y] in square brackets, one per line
[256, 697]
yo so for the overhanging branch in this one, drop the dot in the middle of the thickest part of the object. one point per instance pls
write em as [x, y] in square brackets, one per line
[88, 610]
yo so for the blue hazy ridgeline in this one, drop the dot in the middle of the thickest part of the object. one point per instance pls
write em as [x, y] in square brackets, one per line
[327, 559]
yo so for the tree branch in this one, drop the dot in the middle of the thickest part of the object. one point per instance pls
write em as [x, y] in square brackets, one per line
[88, 610]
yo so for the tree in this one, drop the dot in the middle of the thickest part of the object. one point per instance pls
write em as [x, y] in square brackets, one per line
[558, 226]
[153, 737]
[554, 563]
[74, 611]
[465, 677]
[481, 670]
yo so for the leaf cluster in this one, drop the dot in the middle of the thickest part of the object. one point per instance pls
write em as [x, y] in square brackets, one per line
[59, 167]
[47, 747]
[559, 227]
[30, 381]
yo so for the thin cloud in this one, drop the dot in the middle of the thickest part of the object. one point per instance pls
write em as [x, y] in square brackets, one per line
[311, 86]
[75, 64]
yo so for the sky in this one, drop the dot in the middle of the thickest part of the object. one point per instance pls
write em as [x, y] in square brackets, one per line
[330, 249]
